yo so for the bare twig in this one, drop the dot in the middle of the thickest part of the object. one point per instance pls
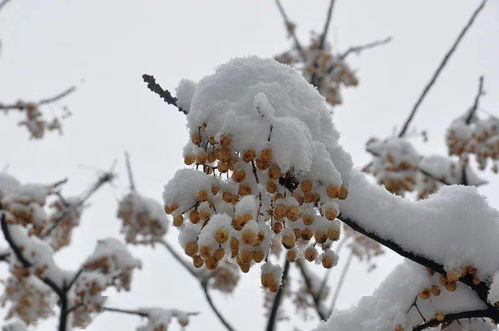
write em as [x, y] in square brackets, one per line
[474, 107]
[129, 171]
[340, 282]
[271, 322]
[315, 296]
[21, 106]
[360, 48]
[203, 283]
[440, 67]
[124, 311]
[290, 27]
[326, 24]
[163, 94]
[214, 307]
[104, 178]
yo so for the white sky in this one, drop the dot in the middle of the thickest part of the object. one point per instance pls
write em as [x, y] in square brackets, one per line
[104, 46]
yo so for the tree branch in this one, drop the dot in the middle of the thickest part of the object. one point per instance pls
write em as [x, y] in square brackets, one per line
[129, 171]
[60, 292]
[21, 106]
[163, 94]
[315, 298]
[290, 27]
[489, 313]
[481, 289]
[360, 48]
[277, 299]
[326, 24]
[207, 295]
[202, 283]
[440, 68]
[104, 178]
[339, 285]
[474, 107]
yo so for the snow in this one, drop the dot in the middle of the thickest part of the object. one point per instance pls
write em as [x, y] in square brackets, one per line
[184, 93]
[454, 227]
[264, 152]
[391, 304]
[159, 318]
[15, 326]
[263, 94]
[493, 296]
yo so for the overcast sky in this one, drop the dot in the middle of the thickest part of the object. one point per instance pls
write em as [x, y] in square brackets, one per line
[103, 47]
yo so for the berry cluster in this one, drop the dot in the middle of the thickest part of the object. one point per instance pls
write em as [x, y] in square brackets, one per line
[28, 297]
[236, 217]
[480, 138]
[395, 164]
[144, 221]
[322, 69]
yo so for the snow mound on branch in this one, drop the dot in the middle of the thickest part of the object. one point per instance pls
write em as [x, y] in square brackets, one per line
[260, 102]
[454, 227]
[449, 170]
[159, 318]
[392, 303]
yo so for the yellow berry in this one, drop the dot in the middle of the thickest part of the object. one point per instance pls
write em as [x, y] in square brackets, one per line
[191, 248]
[178, 220]
[274, 172]
[306, 186]
[222, 236]
[310, 254]
[249, 155]
[189, 159]
[226, 140]
[205, 251]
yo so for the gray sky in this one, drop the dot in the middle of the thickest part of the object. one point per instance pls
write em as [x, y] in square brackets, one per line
[104, 46]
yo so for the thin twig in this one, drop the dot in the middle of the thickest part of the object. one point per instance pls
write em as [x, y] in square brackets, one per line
[129, 171]
[326, 24]
[441, 66]
[277, 299]
[340, 282]
[124, 311]
[360, 48]
[290, 27]
[104, 178]
[21, 106]
[179, 259]
[163, 94]
[474, 107]
[315, 296]
[214, 307]
[203, 284]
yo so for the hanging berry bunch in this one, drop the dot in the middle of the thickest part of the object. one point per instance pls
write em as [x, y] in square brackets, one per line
[144, 221]
[266, 166]
[478, 137]
[395, 164]
[321, 68]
